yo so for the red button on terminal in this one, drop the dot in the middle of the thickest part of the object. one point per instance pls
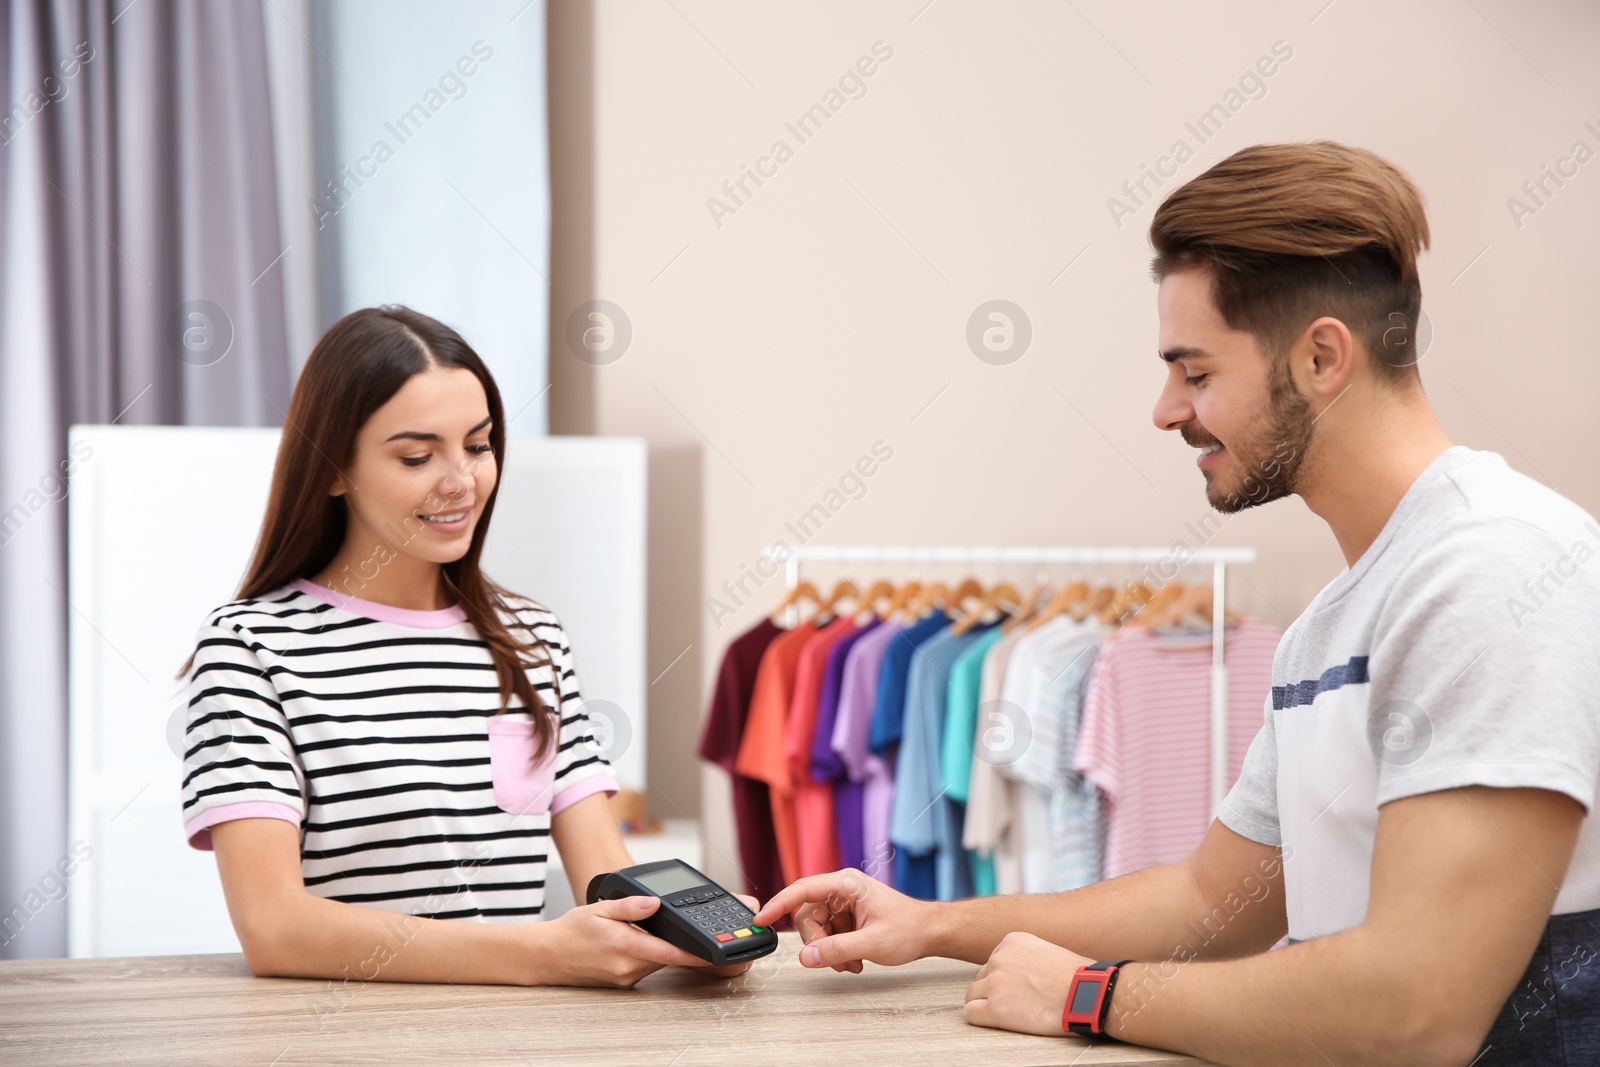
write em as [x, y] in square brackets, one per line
[724, 937]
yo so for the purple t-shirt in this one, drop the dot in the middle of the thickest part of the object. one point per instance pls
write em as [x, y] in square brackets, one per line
[826, 766]
[862, 798]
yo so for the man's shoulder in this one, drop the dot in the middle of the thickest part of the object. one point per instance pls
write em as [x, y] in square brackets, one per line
[1485, 509]
[1492, 491]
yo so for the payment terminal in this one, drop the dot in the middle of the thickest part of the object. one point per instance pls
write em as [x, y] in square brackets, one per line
[696, 914]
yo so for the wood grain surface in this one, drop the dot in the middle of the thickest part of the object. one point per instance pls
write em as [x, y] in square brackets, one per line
[170, 1010]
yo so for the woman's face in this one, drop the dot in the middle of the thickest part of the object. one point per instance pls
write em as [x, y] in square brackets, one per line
[423, 469]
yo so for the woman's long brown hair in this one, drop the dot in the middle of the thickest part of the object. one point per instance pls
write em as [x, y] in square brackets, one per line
[357, 366]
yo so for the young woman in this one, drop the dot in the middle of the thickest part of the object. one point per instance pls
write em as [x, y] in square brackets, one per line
[381, 740]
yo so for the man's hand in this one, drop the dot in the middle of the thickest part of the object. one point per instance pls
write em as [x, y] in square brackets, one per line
[1023, 987]
[848, 916]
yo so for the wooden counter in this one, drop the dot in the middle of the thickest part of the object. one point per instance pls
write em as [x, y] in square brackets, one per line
[168, 1010]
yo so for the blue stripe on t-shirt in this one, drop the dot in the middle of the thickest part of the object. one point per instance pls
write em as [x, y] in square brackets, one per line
[1353, 672]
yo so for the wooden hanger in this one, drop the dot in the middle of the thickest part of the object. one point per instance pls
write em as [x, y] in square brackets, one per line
[902, 597]
[879, 590]
[1065, 597]
[1160, 607]
[841, 589]
[1031, 603]
[1198, 604]
[999, 593]
[932, 594]
[1094, 604]
[969, 587]
[1135, 592]
[803, 590]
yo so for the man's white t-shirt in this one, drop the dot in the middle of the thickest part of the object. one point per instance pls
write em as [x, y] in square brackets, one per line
[1461, 649]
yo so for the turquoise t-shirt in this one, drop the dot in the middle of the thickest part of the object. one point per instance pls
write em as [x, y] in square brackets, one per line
[960, 729]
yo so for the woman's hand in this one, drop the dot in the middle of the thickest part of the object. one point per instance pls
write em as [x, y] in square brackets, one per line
[848, 916]
[594, 945]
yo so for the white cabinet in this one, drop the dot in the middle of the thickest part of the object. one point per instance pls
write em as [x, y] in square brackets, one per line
[160, 528]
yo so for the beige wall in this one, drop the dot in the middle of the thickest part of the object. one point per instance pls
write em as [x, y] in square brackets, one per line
[829, 311]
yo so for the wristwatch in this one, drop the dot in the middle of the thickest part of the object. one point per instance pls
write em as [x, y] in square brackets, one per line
[1089, 998]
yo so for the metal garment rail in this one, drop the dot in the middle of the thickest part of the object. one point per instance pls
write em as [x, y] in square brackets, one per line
[1176, 556]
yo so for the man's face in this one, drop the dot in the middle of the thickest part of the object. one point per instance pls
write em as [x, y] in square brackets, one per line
[1228, 399]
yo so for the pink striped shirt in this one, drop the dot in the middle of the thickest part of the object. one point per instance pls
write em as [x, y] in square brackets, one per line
[1145, 740]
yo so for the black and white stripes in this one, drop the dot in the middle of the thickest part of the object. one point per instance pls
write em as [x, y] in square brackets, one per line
[370, 728]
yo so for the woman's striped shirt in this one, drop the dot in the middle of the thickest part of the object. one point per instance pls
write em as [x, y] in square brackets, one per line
[374, 730]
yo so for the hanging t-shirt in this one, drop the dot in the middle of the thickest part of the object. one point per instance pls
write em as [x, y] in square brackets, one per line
[987, 828]
[827, 767]
[815, 846]
[1056, 815]
[1071, 811]
[375, 730]
[1145, 740]
[865, 769]
[925, 825]
[761, 747]
[888, 713]
[719, 744]
[955, 756]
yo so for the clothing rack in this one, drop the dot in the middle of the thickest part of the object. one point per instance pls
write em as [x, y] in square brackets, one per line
[1218, 558]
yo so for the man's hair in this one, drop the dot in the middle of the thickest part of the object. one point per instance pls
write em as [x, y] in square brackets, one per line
[1291, 232]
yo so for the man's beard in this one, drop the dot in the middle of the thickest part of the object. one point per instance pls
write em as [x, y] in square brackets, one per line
[1268, 459]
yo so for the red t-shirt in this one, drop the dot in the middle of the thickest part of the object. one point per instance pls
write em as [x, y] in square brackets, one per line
[719, 744]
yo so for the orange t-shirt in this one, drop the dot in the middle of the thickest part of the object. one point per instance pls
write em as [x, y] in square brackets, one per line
[816, 841]
[761, 747]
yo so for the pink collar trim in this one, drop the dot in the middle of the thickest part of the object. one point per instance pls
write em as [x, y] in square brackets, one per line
[371, 609]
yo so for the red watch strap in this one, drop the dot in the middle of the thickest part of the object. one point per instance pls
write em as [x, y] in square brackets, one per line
[1090, 1019]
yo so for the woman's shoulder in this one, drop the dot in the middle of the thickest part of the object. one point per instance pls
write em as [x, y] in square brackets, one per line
[270, 610]
[524, 612]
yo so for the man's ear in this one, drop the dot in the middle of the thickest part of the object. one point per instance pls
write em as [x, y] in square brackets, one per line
[1332, 357]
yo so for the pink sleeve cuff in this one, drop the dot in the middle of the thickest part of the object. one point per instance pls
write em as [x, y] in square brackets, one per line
[595, 783]
[198, 829]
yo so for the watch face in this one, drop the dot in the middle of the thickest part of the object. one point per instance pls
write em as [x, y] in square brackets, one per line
[1084, 994]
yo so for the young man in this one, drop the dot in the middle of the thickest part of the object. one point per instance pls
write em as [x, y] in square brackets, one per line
[1412, 813]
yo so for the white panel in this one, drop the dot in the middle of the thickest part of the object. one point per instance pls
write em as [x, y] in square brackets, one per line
[433, 185]
[161, 524]
[573, 537]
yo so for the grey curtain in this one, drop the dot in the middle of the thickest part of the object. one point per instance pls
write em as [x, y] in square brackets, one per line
[141, 283]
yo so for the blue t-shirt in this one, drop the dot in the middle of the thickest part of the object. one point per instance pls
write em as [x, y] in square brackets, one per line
[888, 712]
[924, 823]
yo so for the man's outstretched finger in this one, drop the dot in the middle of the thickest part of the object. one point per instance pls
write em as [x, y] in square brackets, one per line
[812, 890]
